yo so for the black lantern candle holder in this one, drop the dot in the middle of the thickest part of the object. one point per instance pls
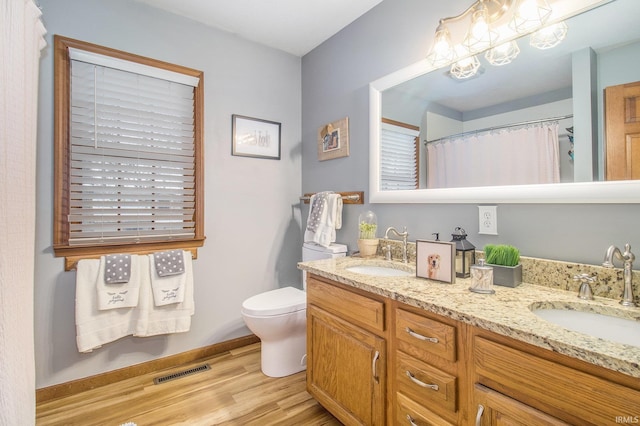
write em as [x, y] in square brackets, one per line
[465, 253]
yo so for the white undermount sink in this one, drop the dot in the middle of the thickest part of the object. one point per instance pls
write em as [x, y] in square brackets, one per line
[379, 271]
[620, 330]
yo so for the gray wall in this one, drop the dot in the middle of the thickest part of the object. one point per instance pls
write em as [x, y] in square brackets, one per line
[252, 210]
[335, 79]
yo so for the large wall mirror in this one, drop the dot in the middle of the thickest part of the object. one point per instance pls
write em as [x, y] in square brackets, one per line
[551, 98]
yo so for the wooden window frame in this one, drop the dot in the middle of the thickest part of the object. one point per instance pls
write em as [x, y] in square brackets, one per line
[62, 68]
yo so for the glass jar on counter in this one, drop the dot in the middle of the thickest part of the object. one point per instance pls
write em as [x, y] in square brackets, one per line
[482, 278]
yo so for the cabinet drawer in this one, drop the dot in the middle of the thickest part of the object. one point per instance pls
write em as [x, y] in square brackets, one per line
[410, 413]
[564, 392]
[425, 383]
[362, 310]
[493, 408]
[418, 335]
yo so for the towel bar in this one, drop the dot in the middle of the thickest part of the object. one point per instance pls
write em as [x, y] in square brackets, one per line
[353, 197]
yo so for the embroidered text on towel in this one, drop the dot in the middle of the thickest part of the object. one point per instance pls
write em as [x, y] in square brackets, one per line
[117, 269]
[169, 262]
[115, 295]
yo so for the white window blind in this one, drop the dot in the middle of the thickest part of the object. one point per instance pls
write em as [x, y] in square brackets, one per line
[132, 157]
[399, 163]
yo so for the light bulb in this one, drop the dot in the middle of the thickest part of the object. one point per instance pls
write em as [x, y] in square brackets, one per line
[480, 35]
[442, 51]
[442, 46]
[528, 9]
[466, 67]
[503, 54]
[480, 28]
[530, 15]
[550, 36]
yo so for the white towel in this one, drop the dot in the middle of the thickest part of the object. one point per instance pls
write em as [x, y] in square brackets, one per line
[124, 295]
[93, 326]
[168, 289]
[174, 318]
[326, 221]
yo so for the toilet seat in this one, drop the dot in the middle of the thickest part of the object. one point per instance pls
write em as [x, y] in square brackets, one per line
[275, 302]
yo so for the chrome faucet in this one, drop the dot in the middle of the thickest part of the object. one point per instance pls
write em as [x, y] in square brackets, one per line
[402, 235]
[627, 258]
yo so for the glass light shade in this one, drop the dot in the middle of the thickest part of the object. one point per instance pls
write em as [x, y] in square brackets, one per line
[550, 36]
[529, 15]
[480, 36]
[442, 51]
[465, 68]
[503, 54]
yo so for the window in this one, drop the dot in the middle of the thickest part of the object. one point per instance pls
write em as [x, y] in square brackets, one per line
[399, 164]
[128, 153]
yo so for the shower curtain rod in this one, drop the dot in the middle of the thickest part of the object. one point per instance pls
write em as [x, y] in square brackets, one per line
[488, 129]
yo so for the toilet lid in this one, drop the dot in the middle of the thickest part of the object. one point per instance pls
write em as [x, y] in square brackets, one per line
[276, 302]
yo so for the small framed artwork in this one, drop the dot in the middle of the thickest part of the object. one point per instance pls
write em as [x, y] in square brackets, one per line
[435, 260]
[253, 137]
[333, 140]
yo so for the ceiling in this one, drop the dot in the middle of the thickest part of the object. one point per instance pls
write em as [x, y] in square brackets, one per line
[294, 26]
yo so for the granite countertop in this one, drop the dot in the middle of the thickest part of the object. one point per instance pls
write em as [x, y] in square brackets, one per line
[507, 312]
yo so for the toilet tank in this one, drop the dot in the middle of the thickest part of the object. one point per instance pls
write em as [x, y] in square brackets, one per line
[312, 251]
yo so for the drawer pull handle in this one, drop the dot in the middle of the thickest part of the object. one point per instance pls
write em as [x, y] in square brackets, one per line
[411, 422]
[374, 366]
[420, 383]
[420, 336]
[479, 414]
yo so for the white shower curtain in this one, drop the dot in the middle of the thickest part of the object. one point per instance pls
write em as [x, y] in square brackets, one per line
[486, 159]
[21, 42]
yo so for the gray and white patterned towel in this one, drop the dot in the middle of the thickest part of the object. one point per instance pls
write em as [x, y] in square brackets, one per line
[169, 263]
[318, 203]
[117, 268]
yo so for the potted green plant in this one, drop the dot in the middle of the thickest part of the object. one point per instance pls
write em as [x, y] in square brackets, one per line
[367, 240]
[505, 260]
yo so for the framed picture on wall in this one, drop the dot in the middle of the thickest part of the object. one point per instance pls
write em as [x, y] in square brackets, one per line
[254, 137]
[435, 260]
[333, 140]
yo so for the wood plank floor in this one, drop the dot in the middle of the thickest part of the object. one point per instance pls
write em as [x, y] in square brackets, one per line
[233, 392]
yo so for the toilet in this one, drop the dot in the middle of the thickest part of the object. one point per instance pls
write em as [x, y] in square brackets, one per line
[279, 318]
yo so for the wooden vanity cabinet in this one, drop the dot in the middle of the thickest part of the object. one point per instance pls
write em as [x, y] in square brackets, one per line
[428, 382]
[541, 382]
[346, 352]
[376, 361]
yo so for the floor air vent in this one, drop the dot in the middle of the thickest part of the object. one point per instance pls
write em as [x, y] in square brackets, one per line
[179, 374]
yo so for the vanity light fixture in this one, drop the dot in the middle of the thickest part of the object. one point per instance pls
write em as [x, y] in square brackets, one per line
[479, 36]
[549, 36]
[503, 54]
[489, 22]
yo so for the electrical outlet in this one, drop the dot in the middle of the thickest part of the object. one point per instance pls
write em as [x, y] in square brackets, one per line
[488, 220]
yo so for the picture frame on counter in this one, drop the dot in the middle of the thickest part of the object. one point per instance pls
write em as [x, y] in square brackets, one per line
[435, 260]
